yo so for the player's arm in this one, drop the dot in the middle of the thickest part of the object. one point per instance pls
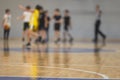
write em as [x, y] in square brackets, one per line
[21, 17]
[46, 22]
[3, 21]
[70, 23]
[53, 17]
[61, 21]
[24, 9]
[49, 19]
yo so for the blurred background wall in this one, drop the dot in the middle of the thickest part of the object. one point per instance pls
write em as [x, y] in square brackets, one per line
[82, 13]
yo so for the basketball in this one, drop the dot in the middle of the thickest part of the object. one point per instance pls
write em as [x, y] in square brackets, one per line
[6, 27]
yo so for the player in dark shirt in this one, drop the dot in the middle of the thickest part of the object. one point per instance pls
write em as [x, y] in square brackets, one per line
[67, 26]
[98, 22]
[42, 26]
[48, 24]
[58, 20]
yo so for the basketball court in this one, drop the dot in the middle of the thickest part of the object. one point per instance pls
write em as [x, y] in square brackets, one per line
[59, 61]
[82, 59]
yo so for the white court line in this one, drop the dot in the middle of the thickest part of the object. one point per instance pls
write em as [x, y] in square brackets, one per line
[90, 65]
[79, 70]
[71, 69]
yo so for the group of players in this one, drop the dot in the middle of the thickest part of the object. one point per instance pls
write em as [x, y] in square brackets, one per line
[36, 24]
[37, 21]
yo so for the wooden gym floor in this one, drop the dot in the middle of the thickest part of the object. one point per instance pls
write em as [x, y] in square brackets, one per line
[63, 61]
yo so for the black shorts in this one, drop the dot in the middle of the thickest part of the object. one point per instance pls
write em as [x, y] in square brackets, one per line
[41, 27]
[57, 26]
[26, 26]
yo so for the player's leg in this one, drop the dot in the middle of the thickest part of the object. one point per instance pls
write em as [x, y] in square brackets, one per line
[28, 38]
[4, 35]
[96, 31]
[43, 36]
[7, 34]
[23, 33]
[57, 34]
[31, 34]
[65, 34]
[70, 37]
[25, 30]
[100, 32]
[68, 33]
[47, 35]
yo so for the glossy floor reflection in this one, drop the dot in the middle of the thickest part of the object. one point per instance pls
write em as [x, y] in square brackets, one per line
[62, 61]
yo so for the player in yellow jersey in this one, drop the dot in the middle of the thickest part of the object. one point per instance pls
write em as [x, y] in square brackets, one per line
[34, 19]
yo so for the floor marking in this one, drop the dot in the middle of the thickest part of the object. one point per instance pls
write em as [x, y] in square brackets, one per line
[90, 65]
[72, 69]
[79, 70]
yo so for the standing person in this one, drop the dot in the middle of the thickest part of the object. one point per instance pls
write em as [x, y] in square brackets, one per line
[42, 26]
[7, 24]
[98, 24]
[67, 26]
[48, 24]
[26, 19]
[58, 20]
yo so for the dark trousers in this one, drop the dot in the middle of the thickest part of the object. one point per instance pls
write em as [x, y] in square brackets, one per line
[6, 33]
[47, 34]
[98, 31]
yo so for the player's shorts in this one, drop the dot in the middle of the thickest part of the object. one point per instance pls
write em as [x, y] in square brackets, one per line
[57, 26]
[41, 27]
[25, 26]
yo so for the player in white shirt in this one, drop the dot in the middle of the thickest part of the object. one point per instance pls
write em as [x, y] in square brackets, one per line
[26, 19]
[6, 23]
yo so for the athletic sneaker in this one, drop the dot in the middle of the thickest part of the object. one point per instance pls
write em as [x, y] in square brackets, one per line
[43, 41]
[28, 44]
[38, 40]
